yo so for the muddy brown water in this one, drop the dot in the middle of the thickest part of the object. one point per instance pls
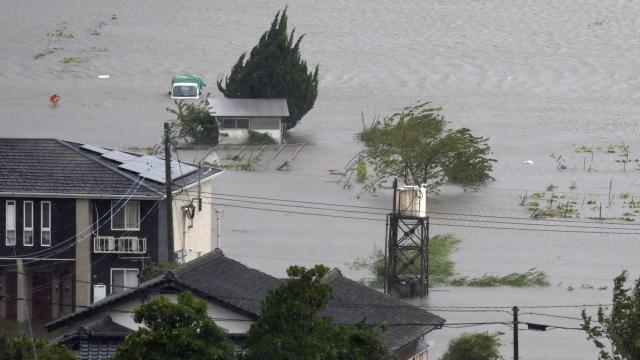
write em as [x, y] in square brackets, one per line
[538, 78]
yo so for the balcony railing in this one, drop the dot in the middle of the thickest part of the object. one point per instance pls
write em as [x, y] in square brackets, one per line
[119, 245]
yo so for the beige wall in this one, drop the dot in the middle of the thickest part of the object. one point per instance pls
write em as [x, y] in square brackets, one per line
[83, 253]
[123, 315]
[197, 239]
[265, 125]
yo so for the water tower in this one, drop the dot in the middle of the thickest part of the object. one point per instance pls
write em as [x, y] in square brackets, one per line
[407, 264]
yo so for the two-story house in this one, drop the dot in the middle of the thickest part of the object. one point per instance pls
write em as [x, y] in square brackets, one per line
[79, 222]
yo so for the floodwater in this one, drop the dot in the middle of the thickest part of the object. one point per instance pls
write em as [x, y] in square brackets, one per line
[539, 78]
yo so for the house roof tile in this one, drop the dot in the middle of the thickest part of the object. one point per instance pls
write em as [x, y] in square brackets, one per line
[242, 288]
[57, 168]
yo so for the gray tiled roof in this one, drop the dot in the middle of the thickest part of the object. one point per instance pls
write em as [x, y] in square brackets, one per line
[242, 288]
[96, 341]
[353, 302]
[227, 280]
[249, 107]
[56, 168]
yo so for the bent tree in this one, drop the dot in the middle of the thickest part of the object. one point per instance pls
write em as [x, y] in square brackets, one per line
[416, 146]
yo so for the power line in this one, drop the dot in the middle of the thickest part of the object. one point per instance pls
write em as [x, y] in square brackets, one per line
[387, 210]
[527, 222]
[432, 222]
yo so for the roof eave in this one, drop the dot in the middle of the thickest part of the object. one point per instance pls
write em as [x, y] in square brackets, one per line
[76, 195]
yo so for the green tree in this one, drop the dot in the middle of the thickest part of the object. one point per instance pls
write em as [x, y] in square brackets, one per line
[194, 122]
[441, 267]
[175, 331]
[275, 69]
[154, 270]
[23, 348]
[620, 327]
[291, 327]
[360, 342]
[475, 346]
[416, 146]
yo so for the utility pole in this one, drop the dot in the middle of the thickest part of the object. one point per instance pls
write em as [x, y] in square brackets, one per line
[168, 190]
[515, 333]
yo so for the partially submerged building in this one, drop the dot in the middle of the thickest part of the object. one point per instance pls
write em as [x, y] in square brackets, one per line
[236, 117]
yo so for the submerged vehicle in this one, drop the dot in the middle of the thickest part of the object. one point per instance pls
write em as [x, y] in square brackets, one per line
[186, 86]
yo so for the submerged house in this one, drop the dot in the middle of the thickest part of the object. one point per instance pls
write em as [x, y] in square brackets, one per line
[233, 293]
[236, 117]
[79, 222]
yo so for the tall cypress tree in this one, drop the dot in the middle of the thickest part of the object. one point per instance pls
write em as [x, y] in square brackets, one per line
[275, 69]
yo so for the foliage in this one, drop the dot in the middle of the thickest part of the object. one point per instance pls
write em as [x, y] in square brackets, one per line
[530, 278]
[154, 270]
[275, 69]
[258, 138]
[360, 342]
[194, 123]
[416, 146]
[361, 169]
[175, 331]
[23, 348]
[441, 267]
[619, 327]
[474, 346]
[290, 326]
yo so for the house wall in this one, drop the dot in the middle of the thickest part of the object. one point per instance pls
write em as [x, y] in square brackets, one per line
[16, 277]
[265, 125]
[193, 236]
[149, 227]
[123, 315]
[83, 252]
[63, 229]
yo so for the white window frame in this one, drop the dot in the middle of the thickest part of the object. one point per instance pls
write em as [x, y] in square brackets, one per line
[44, 229]
[26, 229]
[126, 287]
[13, 227]
[123, 208]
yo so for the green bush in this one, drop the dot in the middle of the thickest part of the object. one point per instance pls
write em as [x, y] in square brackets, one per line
[257, 138]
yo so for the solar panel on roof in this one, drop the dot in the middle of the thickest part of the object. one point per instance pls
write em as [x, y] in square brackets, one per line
[119, 156]
[152, 168]
[94, 148]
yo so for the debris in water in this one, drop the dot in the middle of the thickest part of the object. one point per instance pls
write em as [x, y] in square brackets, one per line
[528, 162]
[103, 76]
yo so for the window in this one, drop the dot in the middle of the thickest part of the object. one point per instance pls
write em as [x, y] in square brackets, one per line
[125, 217]
[27, 235]
[123, 279]
[235, 123]
[45, 224]
[10, 220]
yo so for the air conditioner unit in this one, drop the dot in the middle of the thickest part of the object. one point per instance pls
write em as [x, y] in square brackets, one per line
[99, 292]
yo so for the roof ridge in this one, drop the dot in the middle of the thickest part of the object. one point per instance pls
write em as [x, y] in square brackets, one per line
[331, 275]
[115, 170]
[197, 262]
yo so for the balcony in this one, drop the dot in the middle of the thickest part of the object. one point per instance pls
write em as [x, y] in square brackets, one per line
[119, 245]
